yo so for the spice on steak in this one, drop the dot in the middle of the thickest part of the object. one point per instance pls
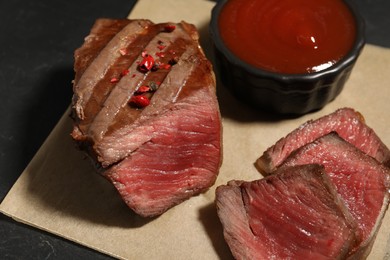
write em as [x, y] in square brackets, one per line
[141, 97]
[160, 45]
[153, 85]
[114, 80]
[146, 64]
[143, 89]
[125, 72]
[160, 54]
[139, 101]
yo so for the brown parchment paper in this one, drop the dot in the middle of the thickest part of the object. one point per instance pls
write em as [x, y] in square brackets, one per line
[59, 191]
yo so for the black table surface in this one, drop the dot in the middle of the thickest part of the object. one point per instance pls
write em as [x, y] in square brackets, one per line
[36, 69]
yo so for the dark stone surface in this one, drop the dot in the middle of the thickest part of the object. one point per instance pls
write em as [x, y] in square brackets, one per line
[36, 69]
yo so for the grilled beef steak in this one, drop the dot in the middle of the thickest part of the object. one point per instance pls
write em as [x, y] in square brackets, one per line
[292, 214]
[348, 124]
[362, 182]
[145, 109]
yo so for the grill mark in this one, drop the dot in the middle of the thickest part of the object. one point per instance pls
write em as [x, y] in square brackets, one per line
[104, 86]
[106, 58]
[166, 95]
[101, 34]
[199, 78]
[128, 114]
[173, 83]
[119, 96]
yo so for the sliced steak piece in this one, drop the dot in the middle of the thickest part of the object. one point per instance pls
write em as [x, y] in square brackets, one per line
[293, 214]
[361, 181]
[145, 109]
[180, 159]
[348, 123]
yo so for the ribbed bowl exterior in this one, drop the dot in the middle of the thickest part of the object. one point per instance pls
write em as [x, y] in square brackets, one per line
[283, 93]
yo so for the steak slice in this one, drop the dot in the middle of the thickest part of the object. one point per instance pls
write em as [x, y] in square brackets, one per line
[180, 160]
[362, 182]
[348, 123]
[158, 153]
[292, 214]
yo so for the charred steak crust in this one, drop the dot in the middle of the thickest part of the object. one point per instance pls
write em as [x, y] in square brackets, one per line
[158, 153]
[292, 214]
[348, 123]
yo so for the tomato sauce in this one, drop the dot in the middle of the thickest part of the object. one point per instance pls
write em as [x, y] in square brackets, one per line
[288, 36]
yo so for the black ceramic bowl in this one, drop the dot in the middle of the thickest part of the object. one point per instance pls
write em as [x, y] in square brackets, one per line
[294, 94]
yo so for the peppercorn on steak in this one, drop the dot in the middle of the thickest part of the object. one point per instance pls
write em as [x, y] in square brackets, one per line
[145, 109]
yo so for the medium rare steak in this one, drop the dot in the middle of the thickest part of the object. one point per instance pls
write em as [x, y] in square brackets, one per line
[349, 125]
[292, 214]
[361, 181]
[145, 109]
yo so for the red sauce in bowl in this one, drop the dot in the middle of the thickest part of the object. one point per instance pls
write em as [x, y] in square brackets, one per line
[288, 36]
